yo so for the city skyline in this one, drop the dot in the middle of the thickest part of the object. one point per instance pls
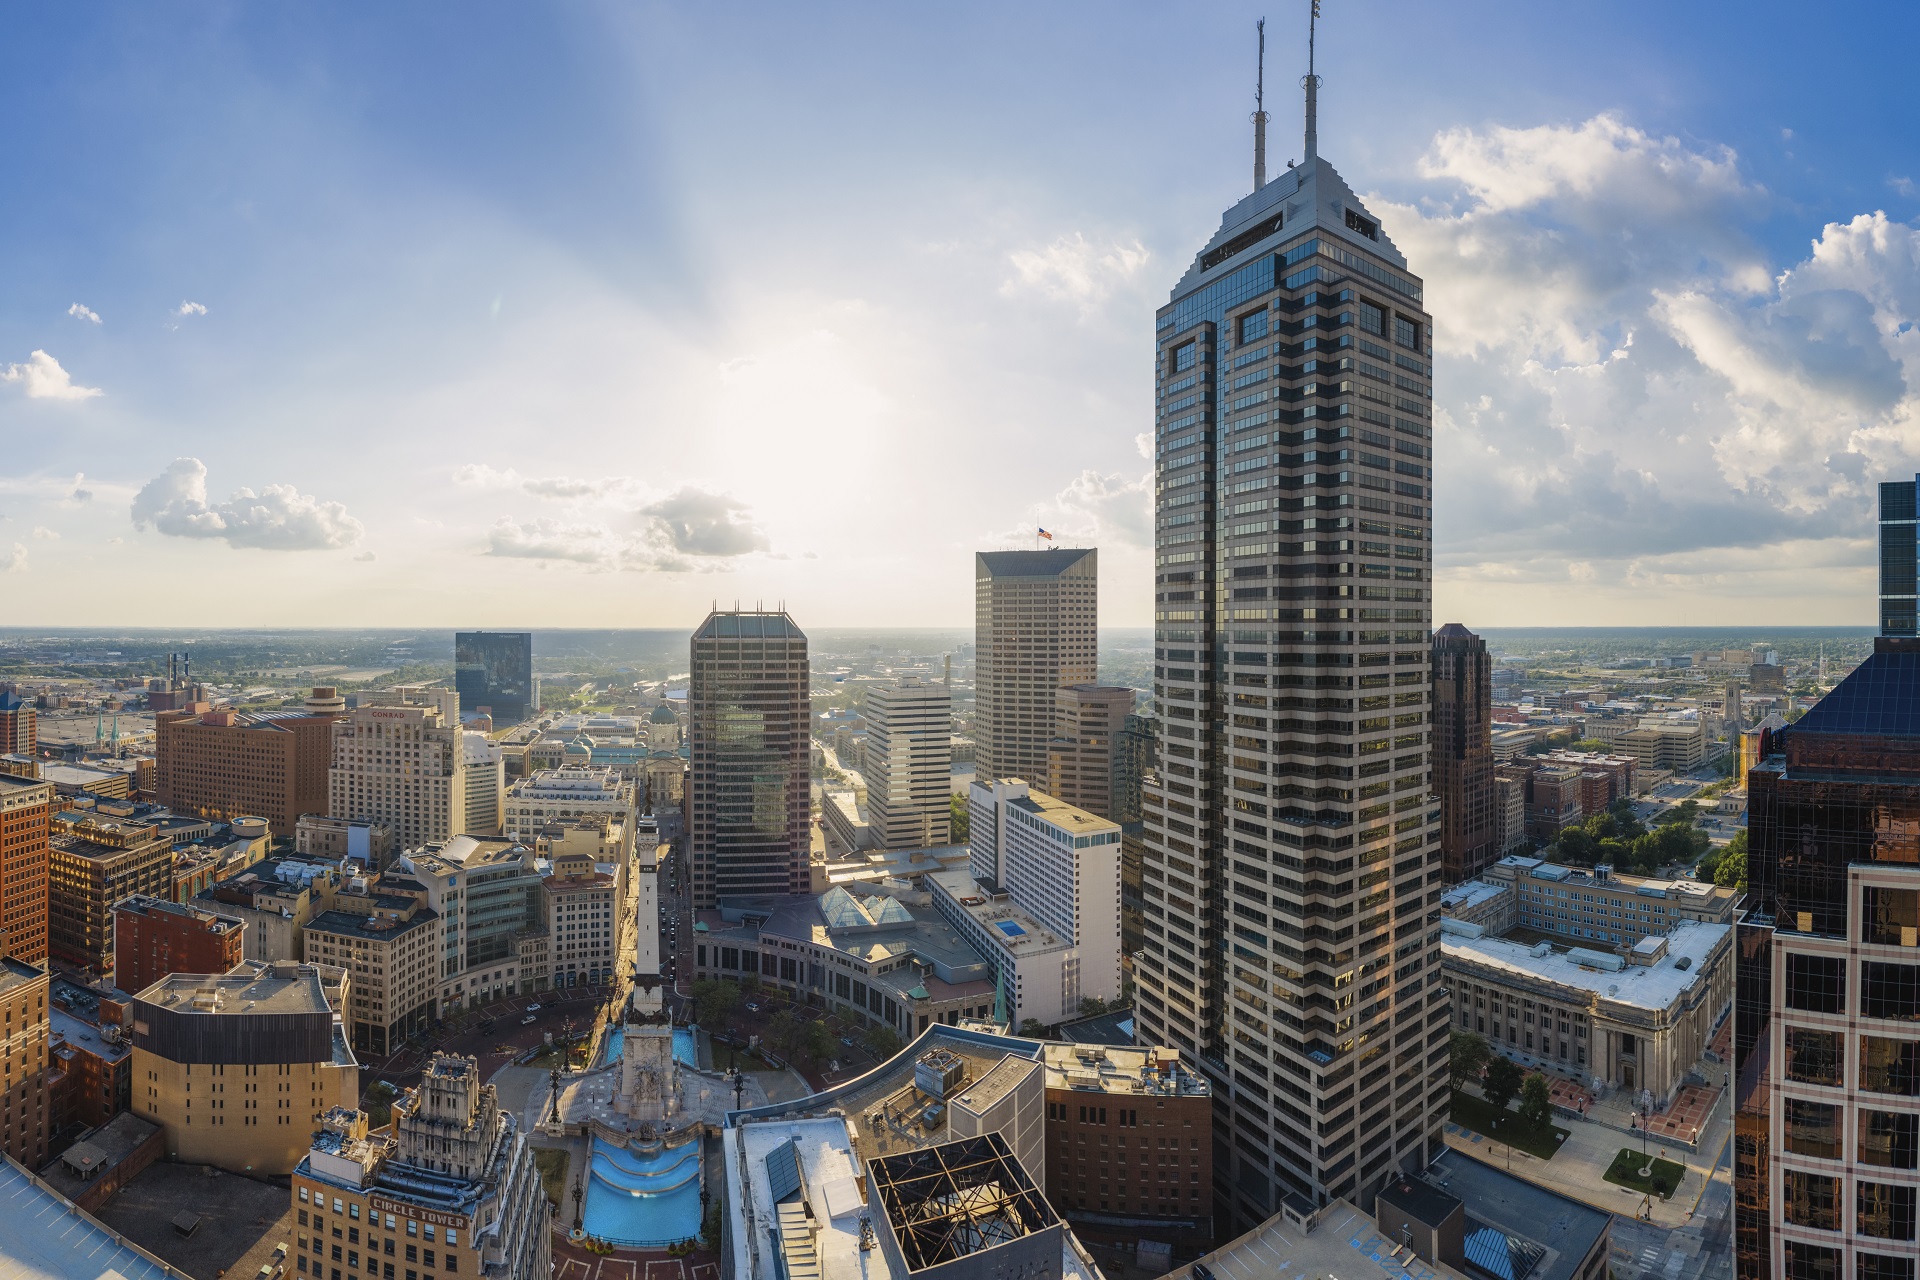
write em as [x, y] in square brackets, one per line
[1683, 425]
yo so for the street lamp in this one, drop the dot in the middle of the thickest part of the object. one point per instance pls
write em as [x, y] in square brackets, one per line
[553, 1080]
[578, 1192]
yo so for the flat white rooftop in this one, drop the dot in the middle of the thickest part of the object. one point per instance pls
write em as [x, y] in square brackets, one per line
[47, 1238]
[1470, 893]
[1656, 986]
[1017, 931]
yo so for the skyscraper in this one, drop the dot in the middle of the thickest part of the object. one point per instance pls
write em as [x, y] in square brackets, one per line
[1081, 759]
[402, 762]
[1292, 848]
[1827, 992]
[1035, 628]
[1463, 752]
[909, 764]
[493, 671]
[748, 737]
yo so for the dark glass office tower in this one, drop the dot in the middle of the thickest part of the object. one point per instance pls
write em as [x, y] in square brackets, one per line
[1899, 564]
[1292, 857]
[493, 670]
[1827, 993]
[1463, 751]
[748, 735]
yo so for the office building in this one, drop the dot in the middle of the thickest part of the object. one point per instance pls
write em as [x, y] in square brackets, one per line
[368, 845]
[1292, 828]
[1629, 1020]
[1510, 808]
[492, 915]
[493, 673]
[226, 764]
[19, 725]
[909, 764]
[1083, 760]
[26, 1120]
[1827, 1022]
[239, 1066]
[486, 784]
[389, 945]
[1035, 628]
[401, 762]
[1675, 742]
[276, 898]
[748, 729]
[1463, 752]
[1132, 762]
[449, 1191]
[94, 863]
[1060, 865]
[1129, 1140]
[567, 795]
[154, 937]
[1899, 564]
[26, 818]
[583, 921]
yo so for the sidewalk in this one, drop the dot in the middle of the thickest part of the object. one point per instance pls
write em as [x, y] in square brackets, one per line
[1578, 1169]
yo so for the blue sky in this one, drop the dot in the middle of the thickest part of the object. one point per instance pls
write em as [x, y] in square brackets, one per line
[586, 314]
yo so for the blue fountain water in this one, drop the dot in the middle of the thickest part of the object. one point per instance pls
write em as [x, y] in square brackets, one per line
[643, 1199]
[684, 1050]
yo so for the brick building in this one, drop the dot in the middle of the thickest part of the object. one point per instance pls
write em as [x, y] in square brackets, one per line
[93, 863]
[154, 937]
[232, 763]
[26, 810]
[1129, 1139]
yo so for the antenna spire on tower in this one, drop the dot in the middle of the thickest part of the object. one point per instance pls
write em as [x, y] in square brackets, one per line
[1311, 83]
[1260, 111]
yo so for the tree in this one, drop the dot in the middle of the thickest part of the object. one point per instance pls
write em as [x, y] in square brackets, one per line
[816, 1042]
[1092, 1006]
[1033, 1030]
[957, 811]
[783, 1032]
[1592, 746]
[1536, 1101]
[715, 1001]
[1465, 1056]
[881, 1041]
[1576, 846]
[1502, 1081]
[1731, 873]
[1686, 811]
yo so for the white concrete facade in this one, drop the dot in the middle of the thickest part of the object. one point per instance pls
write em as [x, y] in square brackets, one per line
[909, 764]
[402, 762]
[566, 795]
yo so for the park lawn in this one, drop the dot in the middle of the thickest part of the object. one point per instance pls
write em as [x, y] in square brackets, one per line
[1663, 1182]
[552, 1164]
[1478, 1115]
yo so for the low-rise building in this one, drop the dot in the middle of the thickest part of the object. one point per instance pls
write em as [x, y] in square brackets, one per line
[1481, 902]
[1632, 1022]
[391, 947]
[448, 1192]
[903, 966]
[238, 1067]
[1660, 742]
[154, 937]
[565, 795]
[367, 844]
[583, 920]
[1129, 1140]
[276, 899]
[1599, 905]
[90, 1060]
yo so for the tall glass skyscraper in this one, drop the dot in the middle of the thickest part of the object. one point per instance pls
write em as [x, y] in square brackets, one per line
[494, 669]
[1899, 563]
[1292, 861]
[748, 734]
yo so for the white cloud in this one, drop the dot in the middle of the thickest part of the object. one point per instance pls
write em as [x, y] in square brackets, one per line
[1903, 186]
[697, 523]
[15, 560]
[545, 539]
[278, 518]
[1075, 269]
[190, 309]
[43, 534]
[42, 378]
[364, 557]
[83, 312]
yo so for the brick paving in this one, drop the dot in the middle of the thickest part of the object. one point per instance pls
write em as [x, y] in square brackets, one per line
[1567, 1094]
[570, 1262]
[1688, 1114]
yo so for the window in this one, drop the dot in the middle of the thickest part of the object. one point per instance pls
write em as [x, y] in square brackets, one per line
[1810, 1199]
[1406, 332]
[1890, 990]
[1890, 1066]
[1183, 356]
[1253, 326]
[1373, 319]
[1813, 1057]
[1890, 1139]
[1890, 917]
[1878, 1266]
[1886, 1210]
[1813, 1129]
[1817, 984]
[1811, 1261]
[1365, 226]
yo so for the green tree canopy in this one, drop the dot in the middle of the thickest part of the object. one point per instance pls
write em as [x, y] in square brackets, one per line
[1465, 1056]
[1502, 1081]
[1536, 1101]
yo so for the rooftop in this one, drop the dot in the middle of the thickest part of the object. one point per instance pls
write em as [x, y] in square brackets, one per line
[997, 911]
[922, 933]
[828, 1195]
[1469, 894]
[279, 987]
[749, 626]
[1566, 1229]
[959, 1198]
[1104, 1069]
[1050, 563]
[48, 1238]
[1061, 814]
[17, 973]
[1690, 944]
[383, 928]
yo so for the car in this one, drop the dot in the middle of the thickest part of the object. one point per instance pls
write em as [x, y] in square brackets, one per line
[533, 1008]
[528, 1021]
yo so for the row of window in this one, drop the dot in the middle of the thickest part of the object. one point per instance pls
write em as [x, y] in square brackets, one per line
[1818, 984]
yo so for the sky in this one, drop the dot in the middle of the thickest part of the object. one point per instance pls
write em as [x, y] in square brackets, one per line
[593, 314]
